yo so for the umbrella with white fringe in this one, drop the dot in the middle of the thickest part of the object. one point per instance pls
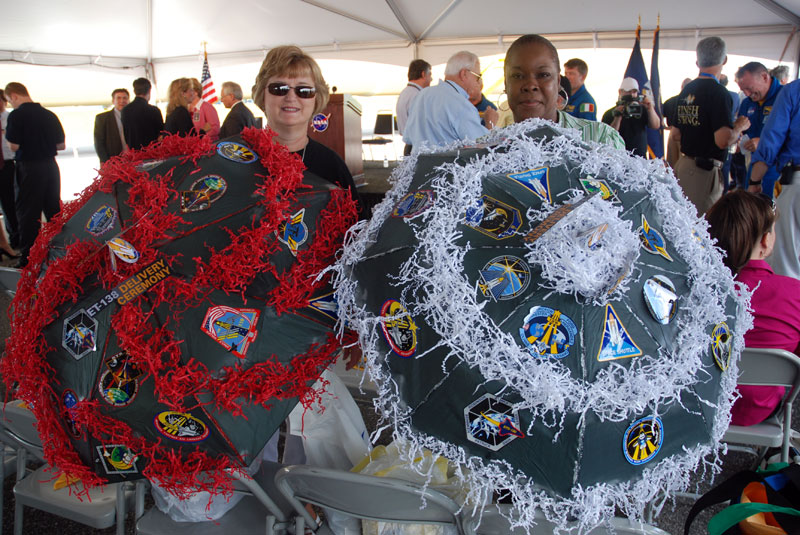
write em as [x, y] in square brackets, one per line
[551, 315]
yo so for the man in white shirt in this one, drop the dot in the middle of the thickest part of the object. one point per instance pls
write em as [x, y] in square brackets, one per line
[419, 77]
[109, 139]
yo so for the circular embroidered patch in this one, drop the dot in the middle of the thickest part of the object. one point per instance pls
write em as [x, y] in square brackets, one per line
[721, 345]
[643, 440]
[180, 426]
[400, 331]
[236, 152]
[504, 277]
[548, 333]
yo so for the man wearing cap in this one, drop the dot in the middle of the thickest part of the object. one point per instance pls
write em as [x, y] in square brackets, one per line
[702, 119]
[630, 117]
[760, 91]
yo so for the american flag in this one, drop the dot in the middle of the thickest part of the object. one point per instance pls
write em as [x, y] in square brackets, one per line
[209, 95]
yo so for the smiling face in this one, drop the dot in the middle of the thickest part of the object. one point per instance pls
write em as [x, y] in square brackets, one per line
[289, 111]
[121, 99]
[754, 86]
[532, 82]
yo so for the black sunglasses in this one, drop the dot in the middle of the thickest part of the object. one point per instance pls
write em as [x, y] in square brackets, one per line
[279, 89]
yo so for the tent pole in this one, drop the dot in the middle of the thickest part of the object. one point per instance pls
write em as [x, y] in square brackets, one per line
[148, 66]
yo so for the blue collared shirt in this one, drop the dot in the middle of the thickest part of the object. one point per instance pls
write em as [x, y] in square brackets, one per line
[582, 105]
[442, 114]
[758, 113]
[780, 138]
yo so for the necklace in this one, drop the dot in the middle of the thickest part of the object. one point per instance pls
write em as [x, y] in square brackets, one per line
[303, 156]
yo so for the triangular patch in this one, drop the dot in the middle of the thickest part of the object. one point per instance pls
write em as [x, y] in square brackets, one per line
[617, 343]
[326, 305]
[536, 180]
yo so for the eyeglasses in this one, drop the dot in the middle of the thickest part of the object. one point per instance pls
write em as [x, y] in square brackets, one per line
[479, 76]
[280, 89]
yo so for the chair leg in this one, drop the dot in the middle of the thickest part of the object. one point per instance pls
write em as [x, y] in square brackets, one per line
[139, 499]
[787, 432]
[120, 511]
[21, 454]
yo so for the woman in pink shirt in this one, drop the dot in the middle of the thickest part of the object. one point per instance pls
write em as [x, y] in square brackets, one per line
[204, 116]
[744, 225]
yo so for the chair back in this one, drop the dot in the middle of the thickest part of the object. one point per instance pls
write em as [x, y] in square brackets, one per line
[18, 428]
[770, 367]
[366, 497]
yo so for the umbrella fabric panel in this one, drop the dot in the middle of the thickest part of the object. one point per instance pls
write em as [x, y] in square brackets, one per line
[480, 416]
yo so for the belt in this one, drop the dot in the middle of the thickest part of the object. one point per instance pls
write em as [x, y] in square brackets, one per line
[703, 162]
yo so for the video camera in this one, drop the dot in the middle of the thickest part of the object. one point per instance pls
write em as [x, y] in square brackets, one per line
[632, 107]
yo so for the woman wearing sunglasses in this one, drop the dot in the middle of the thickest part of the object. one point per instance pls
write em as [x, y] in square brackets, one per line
[290, 89]
[743, 224]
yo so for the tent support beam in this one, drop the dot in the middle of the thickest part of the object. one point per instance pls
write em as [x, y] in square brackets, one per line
[442, 14]
[350, 16]
[402, 20]
[780, 11]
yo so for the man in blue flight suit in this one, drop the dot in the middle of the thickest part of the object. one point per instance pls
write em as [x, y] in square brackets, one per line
[779, 147]
[760, 90]
[581, 104]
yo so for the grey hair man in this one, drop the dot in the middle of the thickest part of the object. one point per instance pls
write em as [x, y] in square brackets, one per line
[702, 123]
[442, 114]
[239, 117]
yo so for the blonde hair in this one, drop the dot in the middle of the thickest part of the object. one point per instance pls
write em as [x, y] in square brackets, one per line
[175, 94]
[292, 62]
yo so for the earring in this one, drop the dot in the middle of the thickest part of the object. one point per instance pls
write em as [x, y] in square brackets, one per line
[563, 94]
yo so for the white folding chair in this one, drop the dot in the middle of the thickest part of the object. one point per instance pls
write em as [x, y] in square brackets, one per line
[105, 505]
[493, 522]
[382, 499]
[768, 367]
[262, 510]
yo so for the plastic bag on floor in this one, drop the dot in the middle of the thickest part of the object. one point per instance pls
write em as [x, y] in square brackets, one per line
[333, 431]
[200, 506]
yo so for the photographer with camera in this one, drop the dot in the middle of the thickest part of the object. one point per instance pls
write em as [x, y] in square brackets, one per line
[631, 117]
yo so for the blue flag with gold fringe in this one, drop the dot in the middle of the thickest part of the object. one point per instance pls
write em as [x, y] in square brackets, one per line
[637, 71]
[655, 137]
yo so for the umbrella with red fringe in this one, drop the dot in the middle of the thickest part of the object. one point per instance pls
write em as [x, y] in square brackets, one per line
[171, 317]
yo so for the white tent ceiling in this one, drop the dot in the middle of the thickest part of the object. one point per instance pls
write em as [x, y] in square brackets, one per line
[115, 40]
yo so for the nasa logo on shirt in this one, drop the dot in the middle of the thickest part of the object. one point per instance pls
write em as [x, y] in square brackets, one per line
[320, 122]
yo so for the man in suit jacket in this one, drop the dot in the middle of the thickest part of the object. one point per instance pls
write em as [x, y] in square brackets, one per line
[240, 116]
[108, 137]
[141, 122]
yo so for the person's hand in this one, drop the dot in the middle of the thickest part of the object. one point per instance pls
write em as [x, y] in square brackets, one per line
[490, 117]
[207, 127]
[647, 103]
[741, 124]
[352, 356]
[751, 144]
[754, 188]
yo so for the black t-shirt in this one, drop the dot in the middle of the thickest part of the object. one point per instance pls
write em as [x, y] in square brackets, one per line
[326, 164]
[633, 131]
[704, 106]
[669, 107]
[36, 130]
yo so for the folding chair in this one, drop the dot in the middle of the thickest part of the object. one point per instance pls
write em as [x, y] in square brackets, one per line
[768, 367]
[262, 510]
[9, 278]
[385, 125]
[106, 505]
[361, 496]
[492, 522]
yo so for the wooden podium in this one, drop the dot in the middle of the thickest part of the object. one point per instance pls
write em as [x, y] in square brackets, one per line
[338, 127]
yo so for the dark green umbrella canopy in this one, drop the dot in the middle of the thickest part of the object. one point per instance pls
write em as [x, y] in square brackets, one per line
[549, 314]
[171, 317]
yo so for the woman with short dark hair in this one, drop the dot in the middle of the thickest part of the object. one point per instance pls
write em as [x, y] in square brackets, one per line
[744, 226]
